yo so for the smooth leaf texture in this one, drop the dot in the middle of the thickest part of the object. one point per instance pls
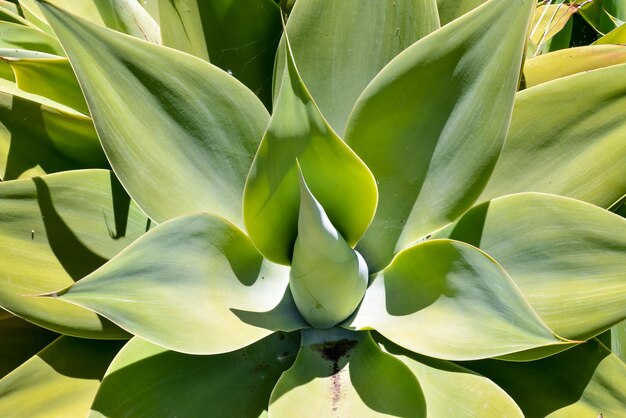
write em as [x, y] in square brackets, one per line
[180, 133]
[451, 390]
[187, 284]
[340, 46]
[338, 179]
[604, 15]
[571, 61]
[54, 230]
[447, 103]
[327, 278]
[239, 36]
[60, 381]
[618, 340]
[616, 36]
[39, 136]
[447, 299]
[19, 36]
[452, 9]
[566, 256]
[19, 340]
[166, 383]
[576, 150]
[340, 373]
[49, 77]
[585, 381]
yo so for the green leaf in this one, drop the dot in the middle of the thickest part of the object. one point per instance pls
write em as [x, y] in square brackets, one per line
[206, 281]
[548, 22]
[571, 61]
[585, 381]
[60, 381]
[566, 256]
[575, 150]
[54, 230]
[602, 14]
[340, 373]
[49, 77]
[618, 340]
[167, 383]
[327, 278]
[19, 36]
[239, 36]
[39, 136]
[453, 9]
[454, 391]
[189, 140]
[616, 36]
[19, 340]
[449, 300]
[447, 103]
[341, 45]
[338, 179]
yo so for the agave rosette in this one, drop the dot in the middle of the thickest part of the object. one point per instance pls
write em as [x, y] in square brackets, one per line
[392, 241]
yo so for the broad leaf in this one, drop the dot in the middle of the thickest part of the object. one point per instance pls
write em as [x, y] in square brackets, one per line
[452, 9]
[54, 230]
[451, 390]
[239, 36]
[431, 125]
[571, 61]
[19, 340]
[40, 136]
[338, 179]
[166, 383]
[575, 150]
[585, 381]
[340, 373]
[206, 281]
[340, 46]
[19, 36]
[60, 381]
[616, 36]
[566, 256]
[180, 133]
[447, 299]
[603, 15]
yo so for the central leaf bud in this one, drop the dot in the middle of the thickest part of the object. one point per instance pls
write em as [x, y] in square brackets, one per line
[328, 278]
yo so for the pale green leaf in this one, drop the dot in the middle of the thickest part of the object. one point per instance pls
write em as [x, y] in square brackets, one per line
[585, 381]
[54, 230]
[180, 133]
[431, 125]
[341, 373]
[60, 381]
[447, 299]
[340, 46]
[19, 36]
[167, 383]
[576, 149]
[616, 36]
[239, 36]
[571, 61]
[195, 284]
[336, 176]
[618, 340]
[566, 256]
[452, 9]
[453, 391]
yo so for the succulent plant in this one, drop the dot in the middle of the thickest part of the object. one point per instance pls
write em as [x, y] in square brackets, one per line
[406, 235]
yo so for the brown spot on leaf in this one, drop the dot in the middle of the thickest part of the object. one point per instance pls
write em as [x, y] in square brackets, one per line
[333, 352]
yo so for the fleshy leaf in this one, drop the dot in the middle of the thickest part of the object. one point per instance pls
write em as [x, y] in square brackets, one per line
[187, 284]
[19, 340]
[167, 383]
[327, 278]
[575, 150]
[18, 36]
[602, 14]
[571, 61]
[447, 299]
[616, 36]
[338, 179]
[341, 373]
[60, 381]
[453, 9]
[585, 381]
[431, 124]
[341, 45]
[453, 391]
[180, 133]
[54, 230]
[566, 256]
[239, 36]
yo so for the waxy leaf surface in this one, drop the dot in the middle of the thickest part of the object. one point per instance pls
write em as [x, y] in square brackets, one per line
[431, 124]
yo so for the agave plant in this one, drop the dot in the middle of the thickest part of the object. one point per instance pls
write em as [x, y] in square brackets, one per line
[374, 247]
